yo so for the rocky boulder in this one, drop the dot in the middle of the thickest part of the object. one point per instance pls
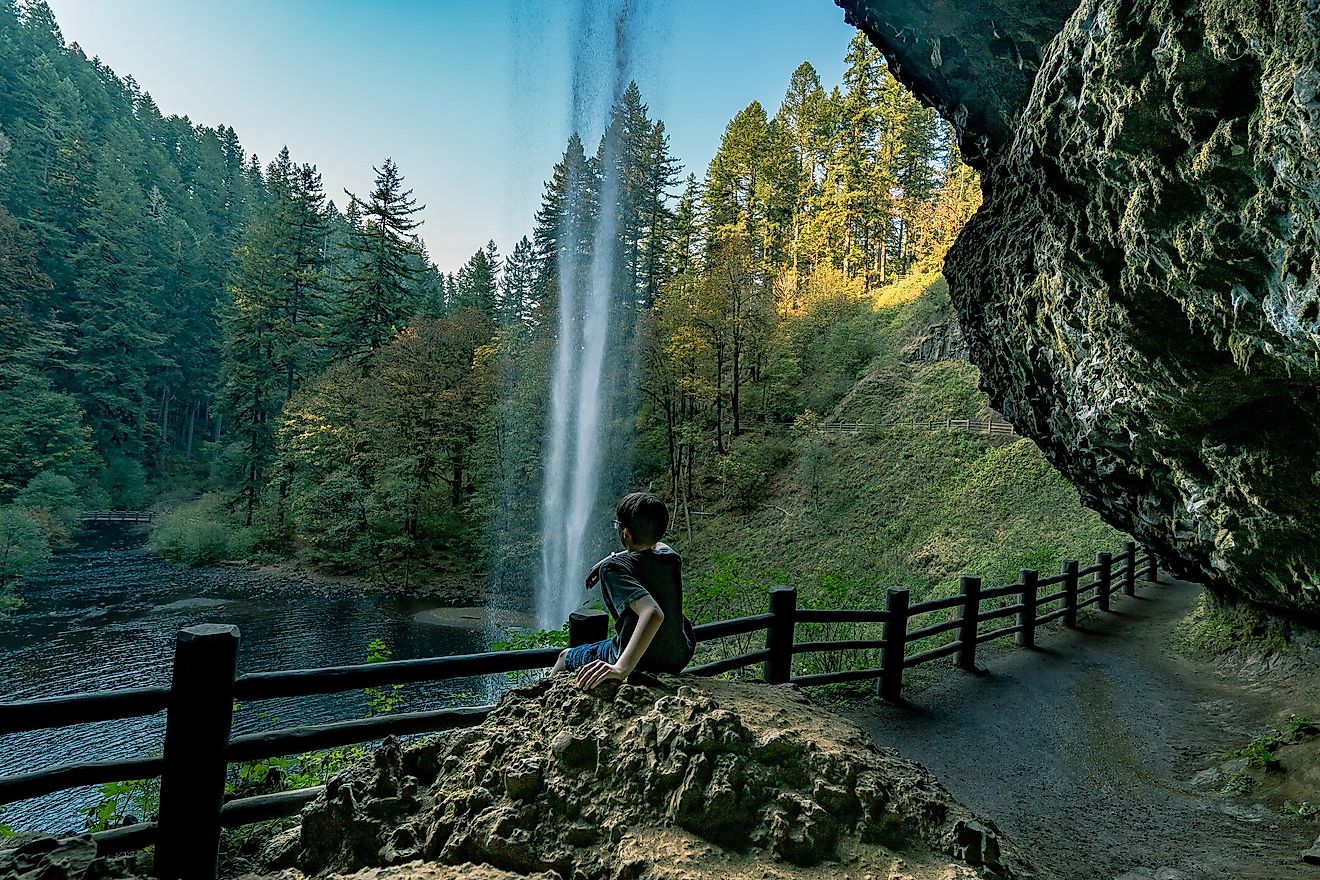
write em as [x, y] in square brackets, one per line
[1140, 287]
[655, 778]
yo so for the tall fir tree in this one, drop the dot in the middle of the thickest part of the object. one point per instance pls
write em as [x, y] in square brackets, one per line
[377, 296]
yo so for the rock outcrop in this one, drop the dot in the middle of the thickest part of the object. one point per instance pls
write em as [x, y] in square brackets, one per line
[975, 60]
[656, 779]
[1140, 287]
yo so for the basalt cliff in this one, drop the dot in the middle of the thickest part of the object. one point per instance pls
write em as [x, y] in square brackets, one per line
[1139, 288]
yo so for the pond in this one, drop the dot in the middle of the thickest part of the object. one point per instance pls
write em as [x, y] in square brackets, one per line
[104, 615]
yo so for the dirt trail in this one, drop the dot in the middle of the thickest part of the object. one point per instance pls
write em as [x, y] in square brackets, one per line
[1084, 750]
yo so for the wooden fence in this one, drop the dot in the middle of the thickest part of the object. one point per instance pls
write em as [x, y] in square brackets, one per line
[121, 516]
[988, 425]
[198, 746]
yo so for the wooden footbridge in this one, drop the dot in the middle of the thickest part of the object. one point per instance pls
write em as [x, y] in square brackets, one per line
[119, 516]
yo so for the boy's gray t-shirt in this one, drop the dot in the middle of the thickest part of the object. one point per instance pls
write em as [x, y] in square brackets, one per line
[658, 572]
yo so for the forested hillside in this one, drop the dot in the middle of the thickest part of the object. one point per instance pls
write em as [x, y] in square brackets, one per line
[181, 319]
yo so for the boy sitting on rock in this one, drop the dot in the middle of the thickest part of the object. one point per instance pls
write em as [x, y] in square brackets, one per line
[643, 589]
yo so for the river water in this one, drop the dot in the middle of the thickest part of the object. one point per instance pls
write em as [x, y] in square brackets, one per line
[104, 615]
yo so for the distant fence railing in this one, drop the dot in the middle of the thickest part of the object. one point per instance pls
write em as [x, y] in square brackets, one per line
[127, 516]
[199, 747]
[988, 425]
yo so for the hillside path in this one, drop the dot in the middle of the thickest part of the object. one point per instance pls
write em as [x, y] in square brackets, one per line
[1083, 751]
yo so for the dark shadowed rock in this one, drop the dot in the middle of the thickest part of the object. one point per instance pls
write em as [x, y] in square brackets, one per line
[1140, 287]
[973, 59]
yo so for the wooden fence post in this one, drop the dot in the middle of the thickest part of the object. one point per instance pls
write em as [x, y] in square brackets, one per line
[1104, 577]
[587, 625]
[1153, 567]
[1070, 593]
[1026, 618]
[779, 637]
[192, 785]
[1130, 575]
[970, 589]
[891, 680]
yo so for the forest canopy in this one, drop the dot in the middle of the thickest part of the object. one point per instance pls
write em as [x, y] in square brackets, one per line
[179, 319]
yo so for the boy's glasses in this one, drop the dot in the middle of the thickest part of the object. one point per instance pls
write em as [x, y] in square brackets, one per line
[617, 525]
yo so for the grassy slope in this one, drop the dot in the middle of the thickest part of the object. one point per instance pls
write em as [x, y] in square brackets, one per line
[851, 514]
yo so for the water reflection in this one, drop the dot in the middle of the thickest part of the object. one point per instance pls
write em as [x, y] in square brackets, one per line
[104, 616]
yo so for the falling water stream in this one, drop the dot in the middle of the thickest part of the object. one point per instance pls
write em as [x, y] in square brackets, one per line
[572, 517]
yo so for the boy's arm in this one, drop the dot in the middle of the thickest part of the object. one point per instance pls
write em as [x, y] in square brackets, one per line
[649, 618]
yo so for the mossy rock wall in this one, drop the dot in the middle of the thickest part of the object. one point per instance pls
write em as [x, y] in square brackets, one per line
[1139, 288]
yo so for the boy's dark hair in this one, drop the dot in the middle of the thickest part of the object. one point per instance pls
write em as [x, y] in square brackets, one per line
[644, 515]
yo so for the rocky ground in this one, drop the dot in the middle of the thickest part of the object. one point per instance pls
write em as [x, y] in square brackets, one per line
[659, 778]
[664, 777]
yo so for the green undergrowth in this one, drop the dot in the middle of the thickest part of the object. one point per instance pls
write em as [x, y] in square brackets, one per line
[201, 533]
[1277, 765]
[847, 515]
[1214, 629]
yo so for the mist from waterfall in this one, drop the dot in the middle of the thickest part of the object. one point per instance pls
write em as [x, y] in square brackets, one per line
[579, 397]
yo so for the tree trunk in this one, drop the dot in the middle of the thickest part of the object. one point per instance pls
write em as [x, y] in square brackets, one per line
[669, 442]
[192, 423]
[719, 399]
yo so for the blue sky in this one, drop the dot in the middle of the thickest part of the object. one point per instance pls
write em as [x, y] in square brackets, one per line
[472, 99]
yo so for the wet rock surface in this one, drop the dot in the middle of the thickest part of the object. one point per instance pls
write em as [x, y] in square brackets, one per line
[657, 779]
[1140, 287]
[974, 59]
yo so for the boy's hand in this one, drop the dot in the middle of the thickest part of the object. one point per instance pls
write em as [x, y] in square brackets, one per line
[596, 672]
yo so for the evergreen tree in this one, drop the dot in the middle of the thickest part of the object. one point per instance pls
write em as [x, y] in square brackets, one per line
[252, 373]
[300, 220]
[113, 315]
[477, 286]
[376, 296]
[518, 285]
[801, 119]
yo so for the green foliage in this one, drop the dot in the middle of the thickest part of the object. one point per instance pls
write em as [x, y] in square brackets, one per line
[124, 481]
[1304, 810]
[524, 640]
[123, 803]
[51, 499]
[744, 474]
[1263, 751]
[1212, 629]
[381, 701]
[201, 533]
[23, 547]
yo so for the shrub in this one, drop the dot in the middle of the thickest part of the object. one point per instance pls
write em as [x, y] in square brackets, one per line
[745, 472]
[52, 500]
[198, 535]
[22, 549]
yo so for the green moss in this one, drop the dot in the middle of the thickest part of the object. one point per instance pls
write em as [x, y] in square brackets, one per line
[1213, 629]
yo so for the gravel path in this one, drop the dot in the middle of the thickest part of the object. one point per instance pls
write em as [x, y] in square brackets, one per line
[1084, 751]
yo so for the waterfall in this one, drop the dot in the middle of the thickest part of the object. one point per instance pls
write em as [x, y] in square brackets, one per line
[571, 509]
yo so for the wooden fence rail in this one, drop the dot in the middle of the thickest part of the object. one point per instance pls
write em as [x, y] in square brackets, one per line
[988, 425]
[198, 747]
